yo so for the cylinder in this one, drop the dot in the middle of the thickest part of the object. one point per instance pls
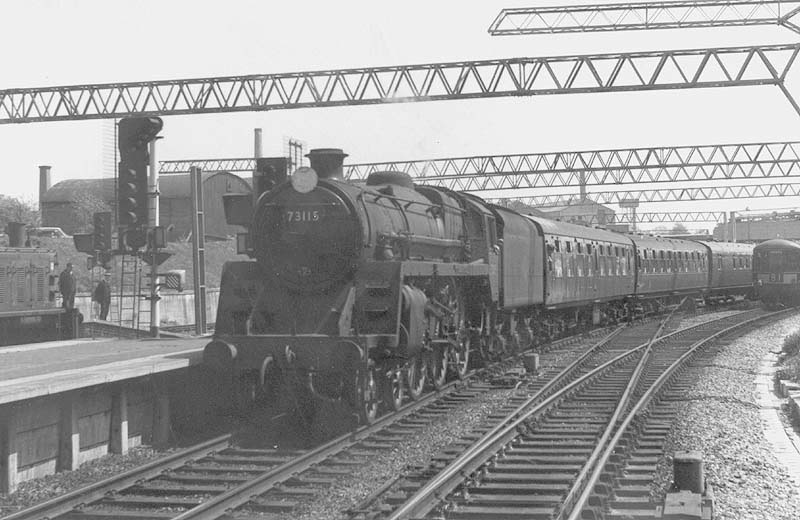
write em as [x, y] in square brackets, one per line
[688, 471]
[16, 234]
[327, 162]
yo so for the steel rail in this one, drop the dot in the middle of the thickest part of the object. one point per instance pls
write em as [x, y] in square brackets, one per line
[602, 459]
[449, 478]
[69, 501]
[578, 485]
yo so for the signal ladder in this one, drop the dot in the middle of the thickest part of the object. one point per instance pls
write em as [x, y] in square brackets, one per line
[130, 312]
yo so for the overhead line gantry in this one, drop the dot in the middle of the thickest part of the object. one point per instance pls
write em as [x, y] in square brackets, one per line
[559, 169]
[747, 191]
[526, 76]
[645, 16]
[663, 217]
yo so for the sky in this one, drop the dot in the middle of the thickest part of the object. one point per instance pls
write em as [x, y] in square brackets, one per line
[50, 43]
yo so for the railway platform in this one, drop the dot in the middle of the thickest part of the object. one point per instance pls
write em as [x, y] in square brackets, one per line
[64, 403]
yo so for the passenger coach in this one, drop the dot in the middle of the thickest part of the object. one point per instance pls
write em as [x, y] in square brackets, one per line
[776, 270]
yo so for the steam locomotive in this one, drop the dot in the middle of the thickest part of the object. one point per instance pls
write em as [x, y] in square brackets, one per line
[361, 294]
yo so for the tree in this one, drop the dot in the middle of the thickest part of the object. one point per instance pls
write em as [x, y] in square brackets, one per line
[679, 229]
[14, 209]
[84, 206]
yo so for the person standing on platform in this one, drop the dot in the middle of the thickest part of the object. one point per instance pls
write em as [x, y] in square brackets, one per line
[66, 285]
[102, 295]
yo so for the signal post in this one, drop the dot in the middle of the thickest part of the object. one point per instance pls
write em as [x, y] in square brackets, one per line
[138, 200]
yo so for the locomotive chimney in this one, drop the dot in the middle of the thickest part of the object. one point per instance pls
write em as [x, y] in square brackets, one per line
[327, 162]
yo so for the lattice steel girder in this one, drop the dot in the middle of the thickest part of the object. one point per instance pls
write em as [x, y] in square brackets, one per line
[719, 67]
[751, 191]
[626, 166]
[672, 216]
[644, 15]
[240, 164]
[542, 170]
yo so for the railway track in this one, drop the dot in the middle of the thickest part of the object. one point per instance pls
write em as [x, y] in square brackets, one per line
[209, 478]
[545, 459]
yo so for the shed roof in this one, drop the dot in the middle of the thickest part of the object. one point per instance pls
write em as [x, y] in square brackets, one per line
[170, 187]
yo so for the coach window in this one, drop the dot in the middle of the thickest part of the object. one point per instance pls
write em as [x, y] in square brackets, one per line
[614, 261]
[602, 261]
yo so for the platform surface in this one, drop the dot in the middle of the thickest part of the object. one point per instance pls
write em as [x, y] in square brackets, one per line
[34, 370]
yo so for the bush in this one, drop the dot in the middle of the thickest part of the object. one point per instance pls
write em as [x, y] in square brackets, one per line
[791, 344]
[789, 370]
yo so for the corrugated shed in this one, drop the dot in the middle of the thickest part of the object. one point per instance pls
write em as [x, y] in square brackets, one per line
[70, 189]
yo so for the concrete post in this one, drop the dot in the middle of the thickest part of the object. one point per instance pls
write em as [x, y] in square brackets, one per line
[69, 438]
[8, 450]
[688, 471]
[119, 420]
[161, 420]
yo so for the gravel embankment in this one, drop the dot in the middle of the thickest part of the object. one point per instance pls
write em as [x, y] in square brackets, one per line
[38, 490]
[721, 418]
